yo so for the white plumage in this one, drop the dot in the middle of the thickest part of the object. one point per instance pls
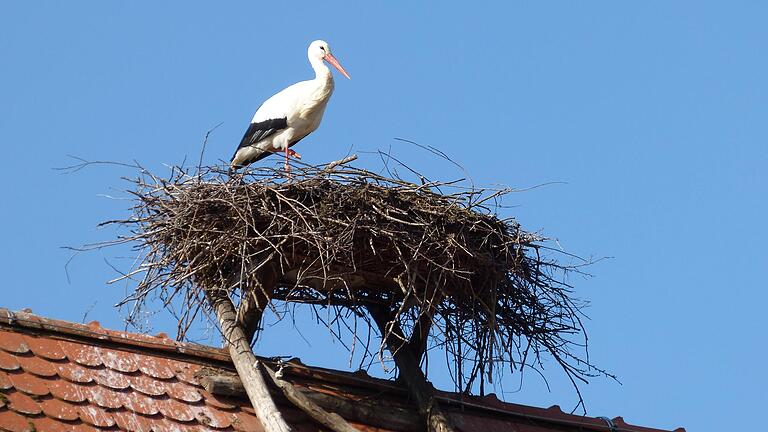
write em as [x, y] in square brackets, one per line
[290, 115]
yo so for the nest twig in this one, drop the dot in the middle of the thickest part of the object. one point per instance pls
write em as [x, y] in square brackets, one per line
[350, 238]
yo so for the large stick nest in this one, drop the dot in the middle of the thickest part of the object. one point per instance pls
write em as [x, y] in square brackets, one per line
[349, 238]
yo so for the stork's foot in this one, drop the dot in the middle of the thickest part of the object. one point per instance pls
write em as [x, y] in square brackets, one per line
[235, 177]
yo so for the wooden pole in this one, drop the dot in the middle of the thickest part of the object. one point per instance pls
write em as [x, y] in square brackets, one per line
[255, 301]
[250, 371]
[247, 365]
[410, 372]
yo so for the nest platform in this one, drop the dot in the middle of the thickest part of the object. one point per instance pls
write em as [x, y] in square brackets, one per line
[350, 238]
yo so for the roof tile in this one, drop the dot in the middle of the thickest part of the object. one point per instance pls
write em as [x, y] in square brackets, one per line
[106, 398]
[247, 423]
[557, 412]
[213, 418]
[75, 373]
[166, 425]
[36, 365]
[96, 326]
[13, 422]
[127, 420]
[50, 425]
[172, 426]
[141, 404]
[109, 378]
[218, 402]
[186, 372]
[46, 348]
[184, 392]
[67, 391]
[13, 342]
[148, 386]
[59, 409]
[119, 360]
[86, 355]
[22, 403]
[156, 367]
[84, 427]
[5, 382]
[8, 362]
[95, 416]
[29, 384]
[176, 410]
[490, 399]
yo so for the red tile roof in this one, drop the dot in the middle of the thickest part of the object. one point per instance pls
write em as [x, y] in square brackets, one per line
[62, 376]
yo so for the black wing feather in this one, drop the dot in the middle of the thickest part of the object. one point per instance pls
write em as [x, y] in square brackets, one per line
[260, 130]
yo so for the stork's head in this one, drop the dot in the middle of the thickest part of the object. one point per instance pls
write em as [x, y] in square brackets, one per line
[320, 50]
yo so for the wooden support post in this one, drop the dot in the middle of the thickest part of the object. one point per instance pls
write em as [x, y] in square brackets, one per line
[255, 301]
[410, 372]
[418, 342]
[250, 371]
[246, 364]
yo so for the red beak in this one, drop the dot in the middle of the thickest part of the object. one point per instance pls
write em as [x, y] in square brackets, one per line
[335, 63]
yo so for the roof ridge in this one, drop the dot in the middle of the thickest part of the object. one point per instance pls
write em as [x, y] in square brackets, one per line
[93, 330]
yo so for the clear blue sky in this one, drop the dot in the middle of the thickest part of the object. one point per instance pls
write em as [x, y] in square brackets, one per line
[653, 113]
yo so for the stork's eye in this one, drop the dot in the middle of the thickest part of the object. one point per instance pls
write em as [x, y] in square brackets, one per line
[322, 48]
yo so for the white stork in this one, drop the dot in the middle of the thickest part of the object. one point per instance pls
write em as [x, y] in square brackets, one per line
[290, 115]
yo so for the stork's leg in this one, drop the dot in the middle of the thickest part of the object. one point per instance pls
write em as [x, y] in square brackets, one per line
[289, 154]
[287, 165]
[294, 154]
